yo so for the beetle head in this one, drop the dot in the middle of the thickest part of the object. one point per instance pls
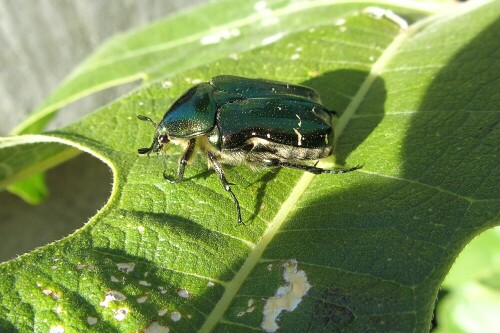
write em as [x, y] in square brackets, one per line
[160, 139]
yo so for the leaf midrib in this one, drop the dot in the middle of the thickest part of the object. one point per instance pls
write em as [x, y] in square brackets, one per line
[303, 183]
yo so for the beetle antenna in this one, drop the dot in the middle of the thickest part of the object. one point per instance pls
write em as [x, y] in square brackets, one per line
[146, 119]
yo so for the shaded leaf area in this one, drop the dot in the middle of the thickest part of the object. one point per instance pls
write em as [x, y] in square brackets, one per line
[375, 244]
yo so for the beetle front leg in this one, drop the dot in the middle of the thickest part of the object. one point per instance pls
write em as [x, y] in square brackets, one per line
[310, 168]
[220, 172]
[183, 162]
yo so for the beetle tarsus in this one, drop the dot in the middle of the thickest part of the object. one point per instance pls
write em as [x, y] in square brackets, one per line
[220, 172]
[311, 168]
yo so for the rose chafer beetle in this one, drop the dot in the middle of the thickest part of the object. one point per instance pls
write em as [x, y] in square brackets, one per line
[235, 120]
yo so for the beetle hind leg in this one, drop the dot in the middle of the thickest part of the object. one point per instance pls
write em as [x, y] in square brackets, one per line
[188, 153]
[311, 168]
[220, 172]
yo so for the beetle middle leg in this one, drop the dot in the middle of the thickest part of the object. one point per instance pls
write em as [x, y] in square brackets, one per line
[183, 162]
[310, 168]
[220, 172]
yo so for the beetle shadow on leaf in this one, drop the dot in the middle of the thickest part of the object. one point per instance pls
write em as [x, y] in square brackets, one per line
[261, 191]
[338, 90]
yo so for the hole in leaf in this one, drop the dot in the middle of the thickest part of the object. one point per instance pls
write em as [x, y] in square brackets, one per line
[77, 190]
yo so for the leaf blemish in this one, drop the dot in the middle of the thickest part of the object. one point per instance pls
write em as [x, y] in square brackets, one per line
[121, 313]
[126, 267]
[183, 293]
[142, 299]
[287, 297]
[112, 296]
[379, 13]
[155, 327]
[91, 320]
[175, 316]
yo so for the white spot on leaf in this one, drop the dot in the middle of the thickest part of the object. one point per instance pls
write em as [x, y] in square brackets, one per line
[142, 299]
[340, 21]
[120, 314]
[287, 297]
[260, 6]
[155, 327]
[162, 312]
[379, 13]
[144, 283]
[91, 320]
[183, 293]
[112, 296]
[126, 267]
[175, 316]
[57, 329]
[271, 39]
[219, 36]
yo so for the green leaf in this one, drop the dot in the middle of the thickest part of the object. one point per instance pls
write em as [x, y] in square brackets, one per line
[472, 291]
[365, 251]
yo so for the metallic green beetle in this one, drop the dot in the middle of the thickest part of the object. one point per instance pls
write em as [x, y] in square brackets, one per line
[235, 120]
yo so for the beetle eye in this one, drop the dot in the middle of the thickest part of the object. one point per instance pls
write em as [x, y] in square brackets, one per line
[163, 139]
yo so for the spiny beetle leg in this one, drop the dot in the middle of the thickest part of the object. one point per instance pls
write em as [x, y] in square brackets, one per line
[220, 172]
[182, 164]
[311, 168]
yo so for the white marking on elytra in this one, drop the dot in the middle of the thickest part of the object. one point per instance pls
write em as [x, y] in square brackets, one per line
[300, 120]
[268, 135]
[175, 316]
[91, 320]
[299, 137]
[126, 267]
[183, 293]
[155, 327]
[287, 297]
